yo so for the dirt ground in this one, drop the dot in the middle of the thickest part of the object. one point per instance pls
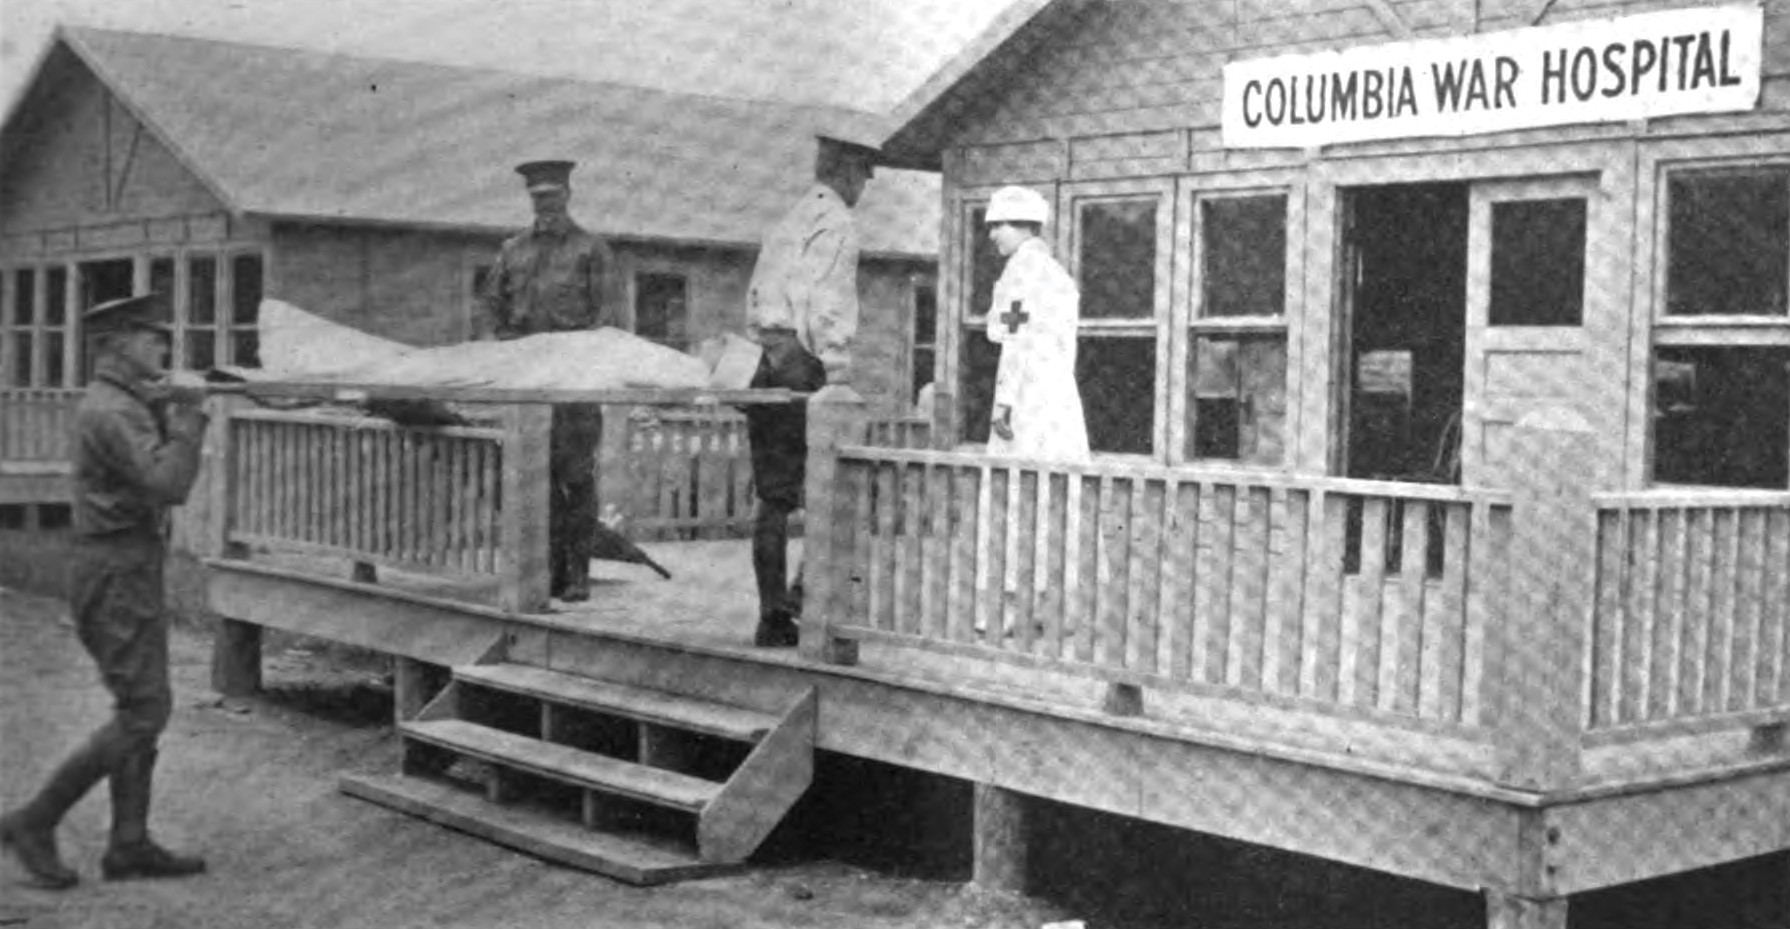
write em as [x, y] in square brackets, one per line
[252, 786]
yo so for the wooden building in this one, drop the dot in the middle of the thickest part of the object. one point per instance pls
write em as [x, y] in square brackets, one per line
[1440, 521]
[375, 193]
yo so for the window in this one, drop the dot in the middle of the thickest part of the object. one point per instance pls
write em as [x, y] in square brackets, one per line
[55, 327]
[244, 343]
[662, 309]
[1115, 363]
[199, 332]
[1237, 358]
[1538, 263]
[925, 340]
[38, 328]
[1721, 356]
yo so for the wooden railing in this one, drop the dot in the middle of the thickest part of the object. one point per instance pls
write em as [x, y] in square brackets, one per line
[1692, 611]
[687, 473]
[1365, 598]
[446, 500]
[35, 424]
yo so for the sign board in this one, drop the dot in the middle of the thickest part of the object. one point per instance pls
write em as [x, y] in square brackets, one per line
[1385, 372]
[1696, 60]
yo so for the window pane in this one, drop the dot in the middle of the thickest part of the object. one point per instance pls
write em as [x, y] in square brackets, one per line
[245, 291]
[245, 348]
[20, 376]
[975, 388]
[923, 369]
[55, 296]
[53, 366]
[926, 314]
[1538, 263]
[1117, 376]
[1244, 260]
[660, 308]
[202, 290]
[1237, 400]
[985, 263]
[1729, 244]
[26, 311]
[1722, 416]
[201, 349]
[1118, 260]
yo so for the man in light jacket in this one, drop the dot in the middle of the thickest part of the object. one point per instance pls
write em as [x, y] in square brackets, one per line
[1034, 318]
[802, 309]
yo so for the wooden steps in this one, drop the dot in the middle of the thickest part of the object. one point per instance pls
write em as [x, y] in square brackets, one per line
[571, 768]
[565, 764]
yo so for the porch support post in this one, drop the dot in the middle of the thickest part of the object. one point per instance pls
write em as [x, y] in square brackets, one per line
[1000, 839]
[1509, 911]
[522, 539]
[836, 417]
[409, 687]
[1537, 672]
[236, 658]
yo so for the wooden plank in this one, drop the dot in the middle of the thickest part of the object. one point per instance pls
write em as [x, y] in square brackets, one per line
[1777, 605]
[1362, 611]
[640, 703]
[1750, 613]
[1606, 639]
[1077, 617]
[630, 859]
[524, 560]
[985, 591]
[961, 529]
[1320, 664]
[1639, 604]
[1252, 522]
[565, 764]
[1719, 660]
[1149, 501]
[937, 553]
[1179, 558]
[992, 568]
[1696, 624]
[1111, 591]
[1488, 579]
[1402, 683]
[1669, 620]
[1025, 541]
[1444, 628]
[910, 597]
[1053, 510]
[1286, 568]
[884, 557]
[859, 480]
[1212, 580]
[763, 788]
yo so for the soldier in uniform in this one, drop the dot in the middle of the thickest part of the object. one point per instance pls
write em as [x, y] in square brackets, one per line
[552, 277]
[136, 453]
[802, 308]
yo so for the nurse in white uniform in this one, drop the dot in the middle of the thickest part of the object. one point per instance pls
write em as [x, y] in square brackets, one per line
[1037, 407]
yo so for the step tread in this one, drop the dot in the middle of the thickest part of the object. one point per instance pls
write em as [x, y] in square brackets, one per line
[642, 860]
[565, 763]
[656, 706]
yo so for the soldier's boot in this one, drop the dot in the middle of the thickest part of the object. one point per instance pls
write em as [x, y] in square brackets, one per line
[29, 832]
[133, 854]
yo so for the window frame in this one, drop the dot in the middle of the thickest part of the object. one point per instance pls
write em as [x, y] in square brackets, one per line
[1692, 157]
[920, 281]
[636, 278]
[1192, 324]
[39, 328]
[1159, 326]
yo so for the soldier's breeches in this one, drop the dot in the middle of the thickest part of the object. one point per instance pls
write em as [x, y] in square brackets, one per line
[116, 594]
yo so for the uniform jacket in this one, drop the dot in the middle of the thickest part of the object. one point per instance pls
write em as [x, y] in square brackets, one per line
[806, 279]
[548, 278]
[1036, 377]
[128, 468]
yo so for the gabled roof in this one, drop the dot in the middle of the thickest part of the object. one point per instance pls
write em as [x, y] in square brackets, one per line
[286, 133]
[958, 91]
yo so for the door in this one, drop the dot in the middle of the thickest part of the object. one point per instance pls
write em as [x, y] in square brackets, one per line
[1531, 363]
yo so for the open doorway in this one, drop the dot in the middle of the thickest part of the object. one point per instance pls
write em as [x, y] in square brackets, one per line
[1406, 295]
